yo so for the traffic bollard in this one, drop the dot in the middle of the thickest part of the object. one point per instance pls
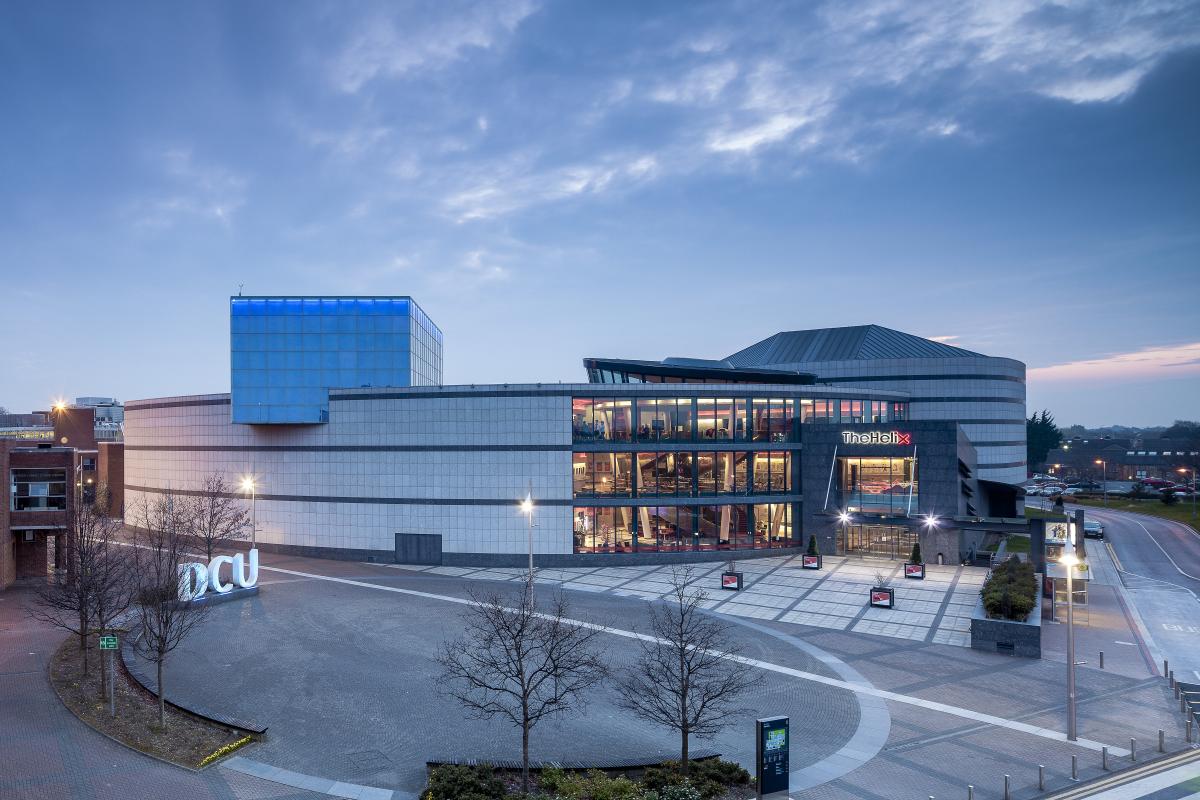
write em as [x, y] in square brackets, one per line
[1165, 670]
[1104, 757]
[1171, 681]
[1162, 741]
[1074, 768]
[1183, 705]
[1189, 731]
[1101, 659]
[1132, 749]
[970, 792]
[1007, 795]
[1041, 777]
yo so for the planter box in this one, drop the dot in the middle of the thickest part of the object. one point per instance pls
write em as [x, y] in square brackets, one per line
[882, 597]
[914, 571]
[810, 562]
[1007, 636]
[731, 581]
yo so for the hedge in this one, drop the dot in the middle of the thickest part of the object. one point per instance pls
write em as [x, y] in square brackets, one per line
[1010, 592]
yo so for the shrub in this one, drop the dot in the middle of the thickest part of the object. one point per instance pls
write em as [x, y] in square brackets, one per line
[1168, 498]
[812, 546]
[708, 778]
[1010, 592]
[915, 557]
[460, 782]
[593, 785]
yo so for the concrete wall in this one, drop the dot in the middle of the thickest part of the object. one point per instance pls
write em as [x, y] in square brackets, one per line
[939, 447]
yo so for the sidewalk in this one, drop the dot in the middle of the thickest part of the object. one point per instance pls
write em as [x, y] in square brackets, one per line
[1106, 624]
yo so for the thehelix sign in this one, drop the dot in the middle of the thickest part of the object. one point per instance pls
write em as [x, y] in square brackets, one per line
[196, 579]
[876, 437]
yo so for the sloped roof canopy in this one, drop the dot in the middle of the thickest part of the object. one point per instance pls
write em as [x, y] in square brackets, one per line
[858, 342]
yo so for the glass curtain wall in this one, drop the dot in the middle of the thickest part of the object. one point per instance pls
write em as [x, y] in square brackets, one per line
[672, 528]
[883, 485]
[681, 473]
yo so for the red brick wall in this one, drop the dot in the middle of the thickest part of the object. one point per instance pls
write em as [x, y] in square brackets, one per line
[17, 558]
[78, 426]
[111, 470]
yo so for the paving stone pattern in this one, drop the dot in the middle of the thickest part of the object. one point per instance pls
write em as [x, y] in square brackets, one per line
[937, 609]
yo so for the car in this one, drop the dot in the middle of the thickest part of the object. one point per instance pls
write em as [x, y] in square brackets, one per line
[1071, 491]
[1051, 491]
[1092, 529]
[1085, 485]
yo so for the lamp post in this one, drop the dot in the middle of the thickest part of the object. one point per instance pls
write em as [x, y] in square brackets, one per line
[1104, 480]
[844, 519]
[1069, 560]
[248, 485]
[1185, 470]
[527, 508]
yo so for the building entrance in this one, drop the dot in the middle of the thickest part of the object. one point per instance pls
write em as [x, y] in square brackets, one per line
[879, 541]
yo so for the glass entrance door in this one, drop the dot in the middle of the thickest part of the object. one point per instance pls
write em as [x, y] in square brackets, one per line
[879, 541]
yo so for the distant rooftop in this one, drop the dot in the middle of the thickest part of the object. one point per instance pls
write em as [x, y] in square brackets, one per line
[686, 370]
[857, 342]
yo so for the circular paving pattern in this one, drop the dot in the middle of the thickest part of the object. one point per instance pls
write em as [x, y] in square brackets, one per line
[344, 679]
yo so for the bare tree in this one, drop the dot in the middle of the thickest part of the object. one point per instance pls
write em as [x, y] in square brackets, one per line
[215, 517]
[519, 664]
[164, 620]
[94, 586]
[686, 680]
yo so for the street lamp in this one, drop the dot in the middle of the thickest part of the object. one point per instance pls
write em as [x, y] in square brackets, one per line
[1104, 479]
[1185, 471]
[248, 485]
[1068, 559]
[527, 509]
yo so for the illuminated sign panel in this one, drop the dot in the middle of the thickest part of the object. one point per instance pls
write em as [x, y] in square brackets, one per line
[876, 437]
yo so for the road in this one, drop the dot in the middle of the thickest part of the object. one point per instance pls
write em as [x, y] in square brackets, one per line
[1159, 563]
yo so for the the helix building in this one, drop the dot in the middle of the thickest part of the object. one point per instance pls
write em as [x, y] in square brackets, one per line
[356, 449]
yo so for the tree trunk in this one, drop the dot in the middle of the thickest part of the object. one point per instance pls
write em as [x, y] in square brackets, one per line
[162, 701]
[684, 763]
[525, 755]
[83, 639]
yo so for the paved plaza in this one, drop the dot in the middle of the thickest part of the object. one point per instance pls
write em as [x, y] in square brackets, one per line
[936, 610]
[335, 659]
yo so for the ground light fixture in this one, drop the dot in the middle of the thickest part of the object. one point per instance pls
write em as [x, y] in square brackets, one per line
[931, 521]
[251, 488]
[844, 517]
[1070, 561]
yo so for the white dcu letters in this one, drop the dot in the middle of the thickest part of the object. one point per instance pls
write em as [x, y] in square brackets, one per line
[196, 579]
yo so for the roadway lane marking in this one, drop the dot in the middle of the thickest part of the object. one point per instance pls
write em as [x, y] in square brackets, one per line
[852, 686]
[1164, 552]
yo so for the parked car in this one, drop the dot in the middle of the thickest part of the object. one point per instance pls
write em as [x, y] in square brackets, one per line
[1092, 529]
[1071, 491]
[1085, 485]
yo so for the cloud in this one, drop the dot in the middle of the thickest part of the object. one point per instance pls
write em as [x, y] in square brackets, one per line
[191, 189]
[393, 47]
[943, 339]
[513, 186]
[1151, 362]
[715, 91]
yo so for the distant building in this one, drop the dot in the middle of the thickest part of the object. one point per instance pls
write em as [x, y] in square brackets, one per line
[1124, 459]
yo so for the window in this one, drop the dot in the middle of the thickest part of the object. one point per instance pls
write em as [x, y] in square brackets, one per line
[651, 423]
[882, 485]
[852, 411]
[614, 420]
[899, 412]
[38, 490]
[653, 528]
[879, 410]
[583, 420]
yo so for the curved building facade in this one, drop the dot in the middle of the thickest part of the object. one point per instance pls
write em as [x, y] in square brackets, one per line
[985, 395]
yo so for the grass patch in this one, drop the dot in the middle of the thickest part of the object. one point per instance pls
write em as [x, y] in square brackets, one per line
[187, 740]
[1179, 511]
[1041, 513]
[1016, 544]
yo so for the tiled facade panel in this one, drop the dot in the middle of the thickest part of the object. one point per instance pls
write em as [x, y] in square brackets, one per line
[442, 468]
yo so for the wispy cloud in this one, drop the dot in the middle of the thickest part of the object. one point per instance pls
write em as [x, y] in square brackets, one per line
[191, 189]
[1151, 362]
[386, 46]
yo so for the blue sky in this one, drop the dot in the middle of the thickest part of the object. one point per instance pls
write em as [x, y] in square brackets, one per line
[558, 180]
